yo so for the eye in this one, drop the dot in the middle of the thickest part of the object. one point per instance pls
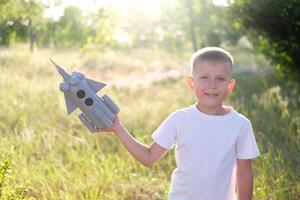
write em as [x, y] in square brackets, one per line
[221, 79]
[203, 77]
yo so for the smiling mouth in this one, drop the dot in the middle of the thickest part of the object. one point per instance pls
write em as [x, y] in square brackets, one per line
[211, 95]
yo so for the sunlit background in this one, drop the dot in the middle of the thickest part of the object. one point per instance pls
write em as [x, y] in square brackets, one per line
[153, 20]
[141, 50]
[151, 8]
[148, 7]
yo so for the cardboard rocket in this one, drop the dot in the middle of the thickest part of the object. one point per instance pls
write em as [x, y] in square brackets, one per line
[80, 92]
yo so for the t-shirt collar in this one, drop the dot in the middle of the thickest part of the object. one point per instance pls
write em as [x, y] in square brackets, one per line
[213, 117]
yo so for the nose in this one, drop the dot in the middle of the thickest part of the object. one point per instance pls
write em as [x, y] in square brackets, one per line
[212, 83]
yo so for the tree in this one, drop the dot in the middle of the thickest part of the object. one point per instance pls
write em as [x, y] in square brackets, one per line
[9, 23]
[274, 29]
[199, 22]
[192, 23]
[104, 23]
[18, 20]
[33, 12]
[71, 29]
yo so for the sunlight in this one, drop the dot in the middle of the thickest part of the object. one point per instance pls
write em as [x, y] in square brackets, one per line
[145, 7]
[150, 8]
[220, 2]
[87, 5]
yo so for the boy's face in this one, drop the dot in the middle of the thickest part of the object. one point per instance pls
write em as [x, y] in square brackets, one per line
[211, 83]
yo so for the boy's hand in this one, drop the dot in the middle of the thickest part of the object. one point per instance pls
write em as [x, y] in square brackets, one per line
[114, 128]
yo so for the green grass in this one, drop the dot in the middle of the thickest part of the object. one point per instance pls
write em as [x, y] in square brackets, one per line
[45, 154]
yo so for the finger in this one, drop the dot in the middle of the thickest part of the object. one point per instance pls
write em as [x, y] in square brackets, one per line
[103, 130]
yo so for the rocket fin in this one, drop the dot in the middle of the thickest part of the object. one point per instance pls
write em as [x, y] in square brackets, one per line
[70, 105]
[96, 86]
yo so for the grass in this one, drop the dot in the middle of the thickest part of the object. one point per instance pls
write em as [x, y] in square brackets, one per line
[45, 154]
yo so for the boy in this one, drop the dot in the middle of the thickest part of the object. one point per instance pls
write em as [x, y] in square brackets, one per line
[214, 144]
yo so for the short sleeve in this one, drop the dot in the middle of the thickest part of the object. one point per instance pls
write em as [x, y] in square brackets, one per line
[246, 147]
[165, 134]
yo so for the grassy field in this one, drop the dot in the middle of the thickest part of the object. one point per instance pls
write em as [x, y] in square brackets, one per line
[45, 154]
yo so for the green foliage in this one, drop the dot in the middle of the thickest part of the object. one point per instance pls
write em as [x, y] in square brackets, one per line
[207, 28]
[19, 23]
[71, 30]
[273, 108]
[7, 192]
[274, 29]
[211, 25]
[173, 35]
[110, 28]
[105, 23]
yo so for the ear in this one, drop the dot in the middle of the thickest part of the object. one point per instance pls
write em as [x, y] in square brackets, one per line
[231, 85]
[191, 83]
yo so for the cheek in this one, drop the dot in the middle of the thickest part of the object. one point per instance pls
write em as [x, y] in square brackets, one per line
[199, 90]
[223, 86]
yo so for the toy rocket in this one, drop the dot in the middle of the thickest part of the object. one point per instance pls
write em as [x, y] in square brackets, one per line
[80, 92]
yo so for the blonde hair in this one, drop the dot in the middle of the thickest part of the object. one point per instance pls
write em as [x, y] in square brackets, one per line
[211, 54]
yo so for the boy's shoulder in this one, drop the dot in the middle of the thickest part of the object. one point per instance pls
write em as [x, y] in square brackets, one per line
[241, 116]
[185, 110]
[239, 119]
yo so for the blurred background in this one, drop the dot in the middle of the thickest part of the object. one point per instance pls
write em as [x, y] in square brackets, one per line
[141, 49]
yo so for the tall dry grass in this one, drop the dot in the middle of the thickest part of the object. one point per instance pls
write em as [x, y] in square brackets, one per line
[48, 155]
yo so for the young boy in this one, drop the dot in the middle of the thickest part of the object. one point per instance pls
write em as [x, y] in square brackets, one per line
[214, 144]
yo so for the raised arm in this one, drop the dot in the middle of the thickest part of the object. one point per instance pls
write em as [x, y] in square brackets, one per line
[244, 178]
[147, 155]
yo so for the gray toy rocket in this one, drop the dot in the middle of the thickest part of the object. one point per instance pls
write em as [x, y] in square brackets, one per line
[80, 92]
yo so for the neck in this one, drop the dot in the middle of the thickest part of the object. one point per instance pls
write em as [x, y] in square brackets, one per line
[222, 110]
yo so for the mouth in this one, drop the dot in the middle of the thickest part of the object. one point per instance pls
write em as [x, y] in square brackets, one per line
[211, 95]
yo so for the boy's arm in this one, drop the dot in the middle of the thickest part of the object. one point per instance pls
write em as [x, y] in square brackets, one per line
[244, 178]
[144, 154]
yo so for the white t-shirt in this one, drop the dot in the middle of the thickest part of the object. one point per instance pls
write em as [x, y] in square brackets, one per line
[206, 149]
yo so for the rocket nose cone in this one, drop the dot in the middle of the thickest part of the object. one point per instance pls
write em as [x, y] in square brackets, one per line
[61, 71]
[56, 65]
